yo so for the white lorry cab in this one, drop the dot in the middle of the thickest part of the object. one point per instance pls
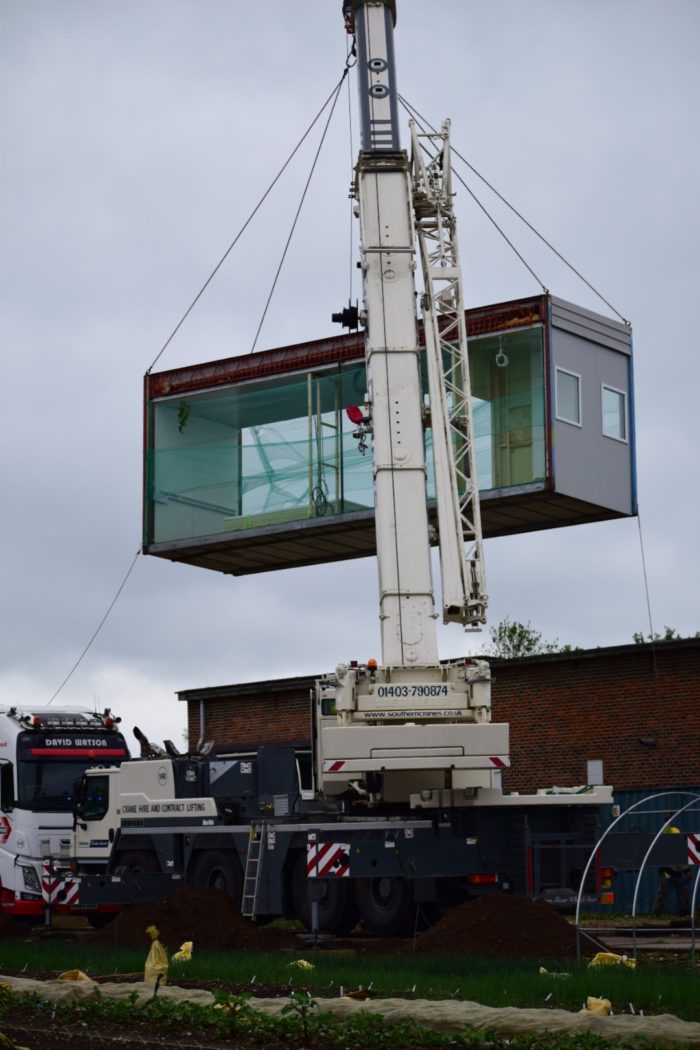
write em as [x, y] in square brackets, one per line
[43, 752]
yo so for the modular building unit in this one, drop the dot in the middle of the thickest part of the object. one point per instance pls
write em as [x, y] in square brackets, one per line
[251, 463]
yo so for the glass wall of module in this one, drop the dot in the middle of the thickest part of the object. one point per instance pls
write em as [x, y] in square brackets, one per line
[251, 463]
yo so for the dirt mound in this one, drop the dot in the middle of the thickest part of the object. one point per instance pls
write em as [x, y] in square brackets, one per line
[13, 929]
[206, 917]
[502, 925]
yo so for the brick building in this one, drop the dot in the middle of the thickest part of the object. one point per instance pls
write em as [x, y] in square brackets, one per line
[633, 708]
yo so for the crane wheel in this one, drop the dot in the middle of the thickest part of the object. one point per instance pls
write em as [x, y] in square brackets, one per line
[139, 861]
[386, 905]
[337, 912]
[219, 870]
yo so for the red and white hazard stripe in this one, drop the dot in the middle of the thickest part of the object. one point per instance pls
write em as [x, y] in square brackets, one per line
[694, 849]
[56, 890]
[500, 761]
[328, 860]
[333, 766]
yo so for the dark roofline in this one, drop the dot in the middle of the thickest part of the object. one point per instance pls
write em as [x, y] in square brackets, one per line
[282, 687]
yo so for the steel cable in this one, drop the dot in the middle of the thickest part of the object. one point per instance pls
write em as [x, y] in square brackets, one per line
[413, 112]
[243, 228]
[300, 206]
[184, 317]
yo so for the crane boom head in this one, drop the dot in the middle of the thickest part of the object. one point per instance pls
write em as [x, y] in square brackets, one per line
[350, 8]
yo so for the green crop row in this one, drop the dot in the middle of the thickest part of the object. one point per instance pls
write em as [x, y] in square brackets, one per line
[302, 1024]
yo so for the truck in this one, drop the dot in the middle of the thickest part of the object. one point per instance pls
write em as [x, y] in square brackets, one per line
[397, 807]
[255, 825]
[43, 752]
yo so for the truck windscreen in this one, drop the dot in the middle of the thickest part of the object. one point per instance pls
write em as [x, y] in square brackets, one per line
[48, 765]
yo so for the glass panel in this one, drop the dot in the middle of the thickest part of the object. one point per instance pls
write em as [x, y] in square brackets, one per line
[508, 407]
[258, 454]
[281, 449]
[614, 414]
[47, 784]
[95, 798]
[568, 397]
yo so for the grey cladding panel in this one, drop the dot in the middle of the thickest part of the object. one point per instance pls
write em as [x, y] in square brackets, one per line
[587, 464]
[589, 325]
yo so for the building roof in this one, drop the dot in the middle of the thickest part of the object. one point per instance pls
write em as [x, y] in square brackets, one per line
[293, 686]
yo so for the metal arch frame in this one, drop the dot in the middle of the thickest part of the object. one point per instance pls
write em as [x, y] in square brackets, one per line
[694, 801]
[464, 596]
[695, 797]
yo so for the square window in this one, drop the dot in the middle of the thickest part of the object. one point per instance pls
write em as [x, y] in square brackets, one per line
[568, 397]
[614, 413]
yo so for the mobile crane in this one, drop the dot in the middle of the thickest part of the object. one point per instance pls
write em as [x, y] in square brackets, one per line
[399, 802]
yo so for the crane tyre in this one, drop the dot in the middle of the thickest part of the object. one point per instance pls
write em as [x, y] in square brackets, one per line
[139, 861]
[386, 905]
[219, 870]
[337, 912]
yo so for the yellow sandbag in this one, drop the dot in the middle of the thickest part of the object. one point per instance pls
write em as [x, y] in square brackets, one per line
[156, 960]
[185, 953]
[598, 1006]
[610, 959]
[74, 975]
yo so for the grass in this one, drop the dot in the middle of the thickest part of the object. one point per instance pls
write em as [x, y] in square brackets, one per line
[492, 982]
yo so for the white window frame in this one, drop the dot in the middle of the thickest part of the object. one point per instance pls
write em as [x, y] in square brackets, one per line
[623, 393]
[564, 419]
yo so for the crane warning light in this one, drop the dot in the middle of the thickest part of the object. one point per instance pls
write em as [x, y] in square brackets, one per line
[371, 664]
[36, 722]
[109, 723]
[355, 414]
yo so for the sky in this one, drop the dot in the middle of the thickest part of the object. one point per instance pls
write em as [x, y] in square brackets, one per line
[137, 136]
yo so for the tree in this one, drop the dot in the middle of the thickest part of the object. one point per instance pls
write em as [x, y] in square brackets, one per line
[510, 639]
[670, 635]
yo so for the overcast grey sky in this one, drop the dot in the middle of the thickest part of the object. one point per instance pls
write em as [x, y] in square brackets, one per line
[136, 136]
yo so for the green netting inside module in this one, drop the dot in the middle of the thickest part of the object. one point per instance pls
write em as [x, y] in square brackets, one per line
[280, 450]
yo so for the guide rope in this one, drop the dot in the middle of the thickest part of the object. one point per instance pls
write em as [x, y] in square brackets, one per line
[98, 629]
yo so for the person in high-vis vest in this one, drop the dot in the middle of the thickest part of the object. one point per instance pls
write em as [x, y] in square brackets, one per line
[675, 879]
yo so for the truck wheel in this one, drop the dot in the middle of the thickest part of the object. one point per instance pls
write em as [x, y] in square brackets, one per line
[386, 905]
[139, 861]
[219, 870]
[336, 909]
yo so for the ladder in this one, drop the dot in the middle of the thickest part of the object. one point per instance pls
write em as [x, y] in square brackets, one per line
[253, 870]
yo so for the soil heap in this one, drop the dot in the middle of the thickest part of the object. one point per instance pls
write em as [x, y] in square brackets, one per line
[207, 917]
[501, 925]
[13, 928]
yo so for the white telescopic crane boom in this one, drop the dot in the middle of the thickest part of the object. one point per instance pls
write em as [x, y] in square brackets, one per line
[412, 729]
[406, 596]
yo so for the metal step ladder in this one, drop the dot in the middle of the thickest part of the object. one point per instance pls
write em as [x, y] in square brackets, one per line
[253, 870]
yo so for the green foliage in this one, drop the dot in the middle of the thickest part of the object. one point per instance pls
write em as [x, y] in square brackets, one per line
[300, 1025]
[510, 639]
[301, 1007]
[670, 635]
[183, 414]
